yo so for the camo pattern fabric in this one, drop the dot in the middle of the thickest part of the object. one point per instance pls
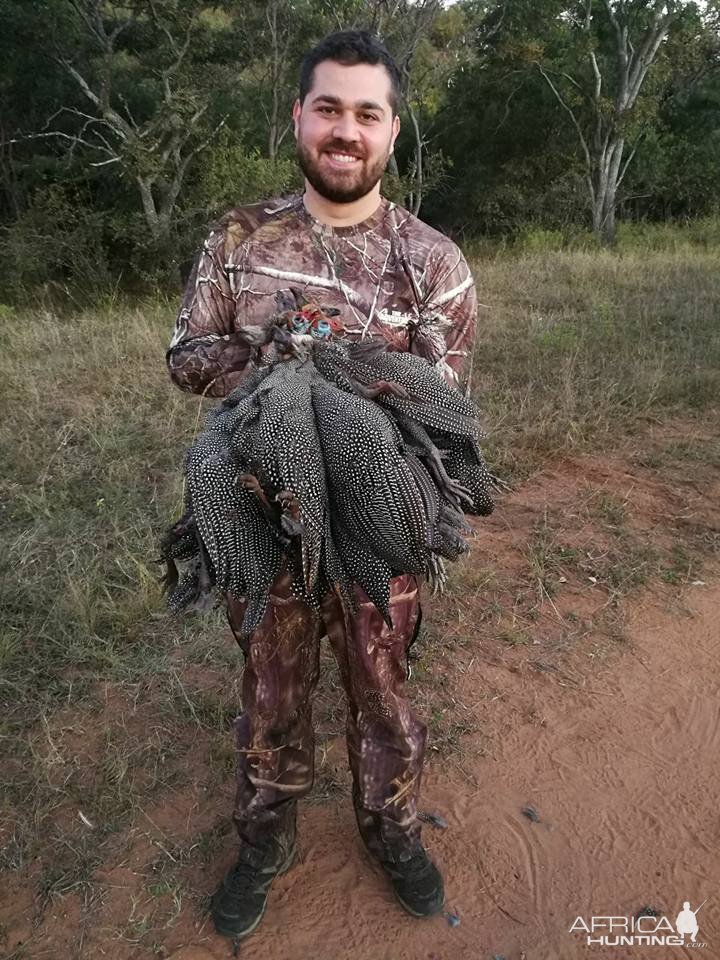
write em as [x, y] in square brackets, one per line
[391, 276]
[274, 735]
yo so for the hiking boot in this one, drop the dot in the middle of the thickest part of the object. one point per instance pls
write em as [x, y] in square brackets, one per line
[239, 902]
[417, 883]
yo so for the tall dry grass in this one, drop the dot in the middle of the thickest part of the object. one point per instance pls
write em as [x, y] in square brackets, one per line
[574, 347]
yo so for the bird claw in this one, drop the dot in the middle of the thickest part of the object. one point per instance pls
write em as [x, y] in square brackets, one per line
[289, 503]
[290, 520]
[502, 486]
[251, 483]
[436, 574]
[458, 493]
[381, 388]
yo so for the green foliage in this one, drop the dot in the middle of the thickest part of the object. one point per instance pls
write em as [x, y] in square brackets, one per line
[210, 129]
[515, 149]
[537, 239]
[56, 245]
[703, 233]
[234, 174]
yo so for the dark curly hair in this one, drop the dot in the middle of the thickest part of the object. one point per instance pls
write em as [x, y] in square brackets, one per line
[350, 47]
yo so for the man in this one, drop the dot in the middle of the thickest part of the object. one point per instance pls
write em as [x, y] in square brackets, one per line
[343, 245]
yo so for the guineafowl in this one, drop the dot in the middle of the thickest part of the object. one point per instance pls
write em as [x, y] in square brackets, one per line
[341, 462]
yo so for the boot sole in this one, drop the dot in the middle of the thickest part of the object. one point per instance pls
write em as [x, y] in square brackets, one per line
[229, 931]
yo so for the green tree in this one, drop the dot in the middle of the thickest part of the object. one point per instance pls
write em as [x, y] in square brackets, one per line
[146, 114]
[608, 67]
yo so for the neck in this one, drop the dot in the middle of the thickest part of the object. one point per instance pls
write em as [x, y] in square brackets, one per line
[341, 214]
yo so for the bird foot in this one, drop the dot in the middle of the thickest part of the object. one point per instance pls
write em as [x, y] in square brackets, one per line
[290, 520]
[251, 483]
[379, 388]
[456, 493]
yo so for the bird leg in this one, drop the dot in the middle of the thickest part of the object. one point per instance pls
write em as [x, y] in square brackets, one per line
[286, 525]
[420, 442]
[170, 580]
[203, 599]
[379, 388]
[182, 535]
[251, 483]
[290, 520]
[458, 543]
[454, 518]
[436, 574]
[453, 491]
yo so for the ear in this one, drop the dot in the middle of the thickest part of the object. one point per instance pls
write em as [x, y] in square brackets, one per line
[296, 111]
[395, 132]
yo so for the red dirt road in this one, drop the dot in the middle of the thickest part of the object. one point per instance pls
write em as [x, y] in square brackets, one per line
[623, 772]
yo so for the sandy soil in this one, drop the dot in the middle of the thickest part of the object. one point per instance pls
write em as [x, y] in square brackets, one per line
[613, 743]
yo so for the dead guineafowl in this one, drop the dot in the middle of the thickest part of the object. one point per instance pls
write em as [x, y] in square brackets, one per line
[341, 462]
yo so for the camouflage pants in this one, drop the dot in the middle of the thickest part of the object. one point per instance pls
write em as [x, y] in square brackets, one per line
[275, 739]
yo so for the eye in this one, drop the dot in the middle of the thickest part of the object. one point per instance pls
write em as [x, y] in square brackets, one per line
[368, 116]
[330, 109]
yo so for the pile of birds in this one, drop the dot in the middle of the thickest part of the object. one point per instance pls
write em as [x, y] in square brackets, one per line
[337, 461]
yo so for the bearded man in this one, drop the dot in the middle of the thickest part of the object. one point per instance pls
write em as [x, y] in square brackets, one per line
[343, 245]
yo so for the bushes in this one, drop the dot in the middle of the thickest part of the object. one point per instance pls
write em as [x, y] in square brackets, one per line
[232, 175]
[68, 246]
[539, 240]
[56, 248]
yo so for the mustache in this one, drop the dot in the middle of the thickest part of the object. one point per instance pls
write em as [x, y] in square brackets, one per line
[336, 147]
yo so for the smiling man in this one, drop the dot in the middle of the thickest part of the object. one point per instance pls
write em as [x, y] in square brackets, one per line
[346, 127]
[391, 276]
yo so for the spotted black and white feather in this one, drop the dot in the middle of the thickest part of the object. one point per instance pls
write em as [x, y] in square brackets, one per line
[344, 464]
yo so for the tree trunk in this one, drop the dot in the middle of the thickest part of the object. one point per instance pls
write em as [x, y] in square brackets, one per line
[274, 132]
[603, 149]
[605, 191]
[418, 191]
[149, 209]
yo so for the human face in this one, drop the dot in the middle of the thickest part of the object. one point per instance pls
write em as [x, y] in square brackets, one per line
[345, 130]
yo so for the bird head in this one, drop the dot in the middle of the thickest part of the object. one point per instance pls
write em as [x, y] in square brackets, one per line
[321, 323]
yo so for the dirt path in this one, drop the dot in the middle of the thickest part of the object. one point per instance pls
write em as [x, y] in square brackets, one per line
[623, 772]
[617, 754]
[602, 717]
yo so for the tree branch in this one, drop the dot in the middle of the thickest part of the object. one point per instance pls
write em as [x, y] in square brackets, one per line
[119, 125]
[627, 161]
[568, 108]
[73, 137]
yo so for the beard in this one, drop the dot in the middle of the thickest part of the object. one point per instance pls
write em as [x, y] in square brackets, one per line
[334, 185]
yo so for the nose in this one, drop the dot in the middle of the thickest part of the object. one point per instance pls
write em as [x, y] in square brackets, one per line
[345, 127]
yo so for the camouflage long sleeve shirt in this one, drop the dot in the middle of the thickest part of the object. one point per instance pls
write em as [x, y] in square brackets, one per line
[391, 276]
